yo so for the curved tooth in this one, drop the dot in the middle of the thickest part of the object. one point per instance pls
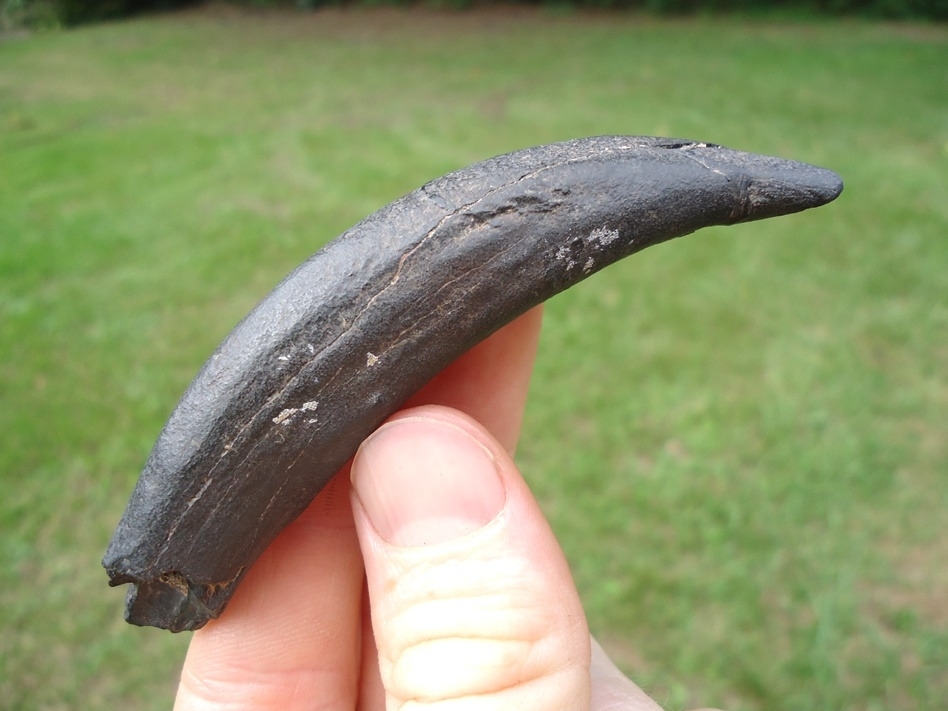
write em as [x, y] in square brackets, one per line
[363, 324]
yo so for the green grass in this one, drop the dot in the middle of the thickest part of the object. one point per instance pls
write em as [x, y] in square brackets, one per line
[739, 437]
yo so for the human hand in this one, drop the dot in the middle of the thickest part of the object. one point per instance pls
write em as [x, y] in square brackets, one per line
[424, 577]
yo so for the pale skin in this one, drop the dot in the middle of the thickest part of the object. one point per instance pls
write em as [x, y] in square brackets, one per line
[423, 577]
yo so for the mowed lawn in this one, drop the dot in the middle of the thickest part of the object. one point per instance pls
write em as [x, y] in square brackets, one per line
[741, 437]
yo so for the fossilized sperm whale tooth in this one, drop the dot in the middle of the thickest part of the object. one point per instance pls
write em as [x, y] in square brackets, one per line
[362, 325]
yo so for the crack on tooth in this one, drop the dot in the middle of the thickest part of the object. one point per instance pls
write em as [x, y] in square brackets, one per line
[705, 165]
[403, 259]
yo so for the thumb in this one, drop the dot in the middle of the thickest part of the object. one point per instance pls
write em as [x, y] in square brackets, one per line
[472, 602]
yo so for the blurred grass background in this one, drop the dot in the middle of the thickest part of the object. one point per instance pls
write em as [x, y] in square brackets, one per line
[740, 437]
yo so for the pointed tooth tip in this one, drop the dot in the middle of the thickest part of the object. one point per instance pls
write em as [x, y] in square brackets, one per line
[794, 188]
[770, 186]
[820, 186]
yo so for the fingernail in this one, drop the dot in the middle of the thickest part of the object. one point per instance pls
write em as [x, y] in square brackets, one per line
[424, 481]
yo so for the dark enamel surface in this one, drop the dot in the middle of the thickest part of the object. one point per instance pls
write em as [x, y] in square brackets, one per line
[358, 328]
